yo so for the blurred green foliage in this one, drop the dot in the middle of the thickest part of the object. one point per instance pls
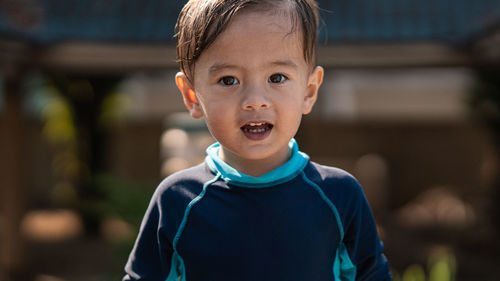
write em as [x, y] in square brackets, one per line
[484, 100]
[441, 266]
[120, 198]
[113, 109]
[485, 96]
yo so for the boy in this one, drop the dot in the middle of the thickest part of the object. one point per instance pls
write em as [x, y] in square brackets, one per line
[257, 209]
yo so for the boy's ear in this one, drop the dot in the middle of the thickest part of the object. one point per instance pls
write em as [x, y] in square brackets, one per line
[188, 95]
[313, 84]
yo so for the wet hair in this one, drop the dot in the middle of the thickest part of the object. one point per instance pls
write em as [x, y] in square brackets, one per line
[201, 21]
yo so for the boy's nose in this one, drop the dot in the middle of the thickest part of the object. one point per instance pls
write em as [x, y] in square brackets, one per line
[255, 99]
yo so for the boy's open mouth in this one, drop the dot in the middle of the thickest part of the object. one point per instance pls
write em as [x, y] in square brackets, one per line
[257, 130]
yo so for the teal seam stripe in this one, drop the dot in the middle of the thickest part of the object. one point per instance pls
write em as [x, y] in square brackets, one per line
[188, 210]
[328, 202]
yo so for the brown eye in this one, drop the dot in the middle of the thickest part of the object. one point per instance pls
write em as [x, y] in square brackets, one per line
[277, 78]
[228, 81]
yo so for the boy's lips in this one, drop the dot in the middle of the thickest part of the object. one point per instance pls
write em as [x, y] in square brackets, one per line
[257, 130]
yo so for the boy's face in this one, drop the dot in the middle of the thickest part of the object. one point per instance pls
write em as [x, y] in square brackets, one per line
[252, 85]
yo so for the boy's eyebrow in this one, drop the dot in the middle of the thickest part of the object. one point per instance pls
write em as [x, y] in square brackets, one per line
[288, 63]
[220, 66]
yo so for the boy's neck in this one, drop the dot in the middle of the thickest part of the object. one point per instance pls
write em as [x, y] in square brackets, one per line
[254, 167]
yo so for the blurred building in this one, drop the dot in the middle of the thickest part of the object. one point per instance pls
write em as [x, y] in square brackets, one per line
[394, 98]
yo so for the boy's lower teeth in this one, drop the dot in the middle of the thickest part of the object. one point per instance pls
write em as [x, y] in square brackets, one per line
[256, 130]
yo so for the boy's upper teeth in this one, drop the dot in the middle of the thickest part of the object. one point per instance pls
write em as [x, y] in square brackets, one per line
[256, 124]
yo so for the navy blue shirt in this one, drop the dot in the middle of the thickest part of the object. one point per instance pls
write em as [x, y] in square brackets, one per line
[301, 221]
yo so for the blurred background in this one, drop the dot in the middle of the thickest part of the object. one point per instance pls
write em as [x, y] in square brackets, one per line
[91, 121]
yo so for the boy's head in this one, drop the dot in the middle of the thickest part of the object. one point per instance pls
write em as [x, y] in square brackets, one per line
[201, 21]
[248, 67]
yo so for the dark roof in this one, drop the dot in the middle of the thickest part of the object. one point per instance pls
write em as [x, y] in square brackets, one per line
[441, 20]
[150, 21]
[48, 21]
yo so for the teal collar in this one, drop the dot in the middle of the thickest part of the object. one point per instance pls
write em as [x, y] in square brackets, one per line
[285, 172]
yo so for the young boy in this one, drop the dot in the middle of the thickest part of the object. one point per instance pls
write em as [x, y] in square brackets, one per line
[257, 209]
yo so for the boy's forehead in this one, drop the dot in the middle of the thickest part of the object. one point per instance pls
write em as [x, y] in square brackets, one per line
[265, 24]
[254, 39]
[277, 24]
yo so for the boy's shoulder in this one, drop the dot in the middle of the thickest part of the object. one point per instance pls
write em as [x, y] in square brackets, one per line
[335, 182]
[199, 172]
[327, 174]
[341, 188]
[189, 180]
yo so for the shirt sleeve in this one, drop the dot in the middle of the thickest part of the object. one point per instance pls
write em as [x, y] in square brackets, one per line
[151, 255]
[362, 240]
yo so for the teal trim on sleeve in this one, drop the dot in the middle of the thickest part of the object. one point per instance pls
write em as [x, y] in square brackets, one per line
[343, 268]
[176, 268]
[188, 209]
[285, 172]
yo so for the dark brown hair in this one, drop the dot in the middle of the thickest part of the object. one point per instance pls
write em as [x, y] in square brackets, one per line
[201, 21]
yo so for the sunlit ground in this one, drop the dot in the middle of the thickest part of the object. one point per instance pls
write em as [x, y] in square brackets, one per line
[53, 225]
[437, 206]
[57, 249]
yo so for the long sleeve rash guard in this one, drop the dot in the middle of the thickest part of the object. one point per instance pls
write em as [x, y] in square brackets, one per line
[301, 221]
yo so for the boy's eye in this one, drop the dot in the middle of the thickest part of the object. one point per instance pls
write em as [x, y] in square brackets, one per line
[277, 78]
[228, 81]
